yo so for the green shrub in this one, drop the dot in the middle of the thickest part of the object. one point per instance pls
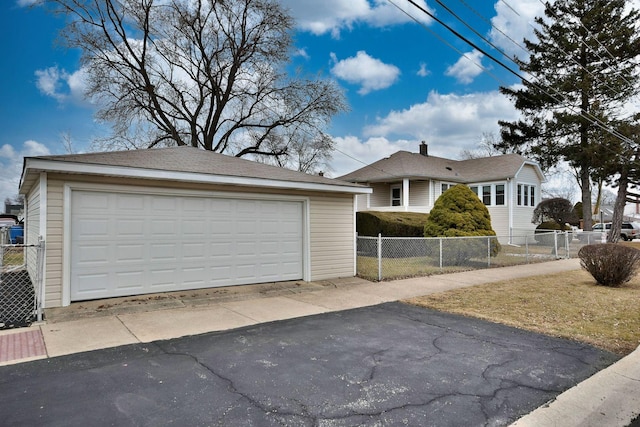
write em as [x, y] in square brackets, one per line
[390, 224]
[610, 264]
[459, 213]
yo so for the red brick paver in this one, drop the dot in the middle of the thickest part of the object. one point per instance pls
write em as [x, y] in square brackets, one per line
[21, 345]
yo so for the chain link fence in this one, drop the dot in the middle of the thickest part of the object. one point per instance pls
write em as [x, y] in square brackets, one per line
[20, 282]
[383, 258]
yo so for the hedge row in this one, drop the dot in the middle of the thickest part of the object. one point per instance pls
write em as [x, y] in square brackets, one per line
[391, 224]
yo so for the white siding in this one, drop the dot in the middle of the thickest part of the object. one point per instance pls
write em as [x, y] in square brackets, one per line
[53, 252]
[500, 221]
[522, 214]
[528, 175]
[32, 229]
[419, 193]
[332, 234]
[32, 216]
[381, 196]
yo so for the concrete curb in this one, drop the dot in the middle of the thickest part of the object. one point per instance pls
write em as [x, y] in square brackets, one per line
[611, 398]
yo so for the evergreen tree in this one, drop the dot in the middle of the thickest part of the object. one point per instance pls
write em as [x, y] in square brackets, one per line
[458, 212]
[581, 70]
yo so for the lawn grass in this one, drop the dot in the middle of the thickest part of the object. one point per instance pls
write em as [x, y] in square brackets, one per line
[568, 305]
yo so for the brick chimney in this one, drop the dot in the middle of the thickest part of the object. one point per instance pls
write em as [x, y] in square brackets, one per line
[424, 149]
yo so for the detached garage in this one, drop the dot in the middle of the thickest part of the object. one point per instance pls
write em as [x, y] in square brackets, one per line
[170, 219]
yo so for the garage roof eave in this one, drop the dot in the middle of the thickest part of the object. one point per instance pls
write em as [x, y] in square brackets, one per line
[37, 165]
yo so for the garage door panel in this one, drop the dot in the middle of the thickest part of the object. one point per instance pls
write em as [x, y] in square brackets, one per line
[129, 228]
[92, 285]
[126, 281]
[128, 203]
[166, 243]
[130, 253]
[93, 255]
[90, 229]
[164, 204]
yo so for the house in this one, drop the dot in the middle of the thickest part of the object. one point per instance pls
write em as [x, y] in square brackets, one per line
[145, 221]
[509, 185]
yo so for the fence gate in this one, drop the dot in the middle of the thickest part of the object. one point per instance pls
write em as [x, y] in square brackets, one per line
[20, 284]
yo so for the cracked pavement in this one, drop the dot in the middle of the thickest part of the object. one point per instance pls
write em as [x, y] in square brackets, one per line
[391, 364]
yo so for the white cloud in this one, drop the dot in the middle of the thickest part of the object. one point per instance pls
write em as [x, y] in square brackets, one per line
[370, 73]
[26, 3]
[423, 71]
[354, 153]
[448, 123]
[467, 68]
[11, 165]
[331, 16]
[61, 85]
[513, 23]
[302, 53]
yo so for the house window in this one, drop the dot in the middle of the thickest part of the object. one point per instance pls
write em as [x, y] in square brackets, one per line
[396, 196]
[526, 195]
[532, 194]
[491, 194]
[444, 187]
[500, 194]
[486, 195]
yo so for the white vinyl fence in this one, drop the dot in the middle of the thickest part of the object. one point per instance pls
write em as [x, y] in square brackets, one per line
[383, 258]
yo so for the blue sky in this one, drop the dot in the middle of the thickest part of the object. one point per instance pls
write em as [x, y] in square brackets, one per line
[403, 83]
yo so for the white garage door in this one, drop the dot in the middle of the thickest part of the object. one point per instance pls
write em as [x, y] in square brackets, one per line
[129, 244]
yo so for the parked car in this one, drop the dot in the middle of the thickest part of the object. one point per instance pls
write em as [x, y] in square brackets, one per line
[629, 231]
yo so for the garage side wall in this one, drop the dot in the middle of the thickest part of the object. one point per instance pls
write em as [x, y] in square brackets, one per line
[53, 252]
[332, 234]
[330, 216]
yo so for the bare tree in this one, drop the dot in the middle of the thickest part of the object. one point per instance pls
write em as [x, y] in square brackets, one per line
[205, 73]
[485, 148]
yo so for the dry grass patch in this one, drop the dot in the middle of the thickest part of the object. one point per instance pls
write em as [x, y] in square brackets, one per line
[568, 305]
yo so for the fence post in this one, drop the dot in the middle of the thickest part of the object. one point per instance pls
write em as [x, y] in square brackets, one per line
[488, 251]
[40, 256]
[555, 243]
[379, 257]
[526, 247]
[566, 244]
[440, 240]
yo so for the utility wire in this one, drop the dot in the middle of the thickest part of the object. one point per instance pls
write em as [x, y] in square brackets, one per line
[566, 54]
[584, 43]
[443, 40]
[588, 116]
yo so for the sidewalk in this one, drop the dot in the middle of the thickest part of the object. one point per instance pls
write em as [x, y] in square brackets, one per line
[611, 397]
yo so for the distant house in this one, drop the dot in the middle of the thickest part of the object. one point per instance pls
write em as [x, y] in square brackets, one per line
[509, 185]
[14, 209]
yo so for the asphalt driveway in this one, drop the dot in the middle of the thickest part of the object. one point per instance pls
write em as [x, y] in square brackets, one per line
[390, 364]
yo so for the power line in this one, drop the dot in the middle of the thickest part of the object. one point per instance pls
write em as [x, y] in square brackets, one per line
[589, 117]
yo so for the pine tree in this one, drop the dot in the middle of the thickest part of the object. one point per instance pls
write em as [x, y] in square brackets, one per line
[581, 70]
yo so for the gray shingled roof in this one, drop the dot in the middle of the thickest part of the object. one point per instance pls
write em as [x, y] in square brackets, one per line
[190, 159]
[404, 164]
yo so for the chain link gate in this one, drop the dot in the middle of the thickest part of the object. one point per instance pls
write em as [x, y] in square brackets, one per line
[20, 284]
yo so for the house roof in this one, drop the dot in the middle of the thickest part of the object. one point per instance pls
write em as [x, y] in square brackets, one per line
[181, 164]
[404, 164]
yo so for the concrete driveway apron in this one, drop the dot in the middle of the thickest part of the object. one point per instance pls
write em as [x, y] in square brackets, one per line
[390, 364]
